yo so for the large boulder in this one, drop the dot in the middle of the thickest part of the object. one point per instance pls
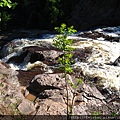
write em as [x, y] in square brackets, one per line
[51, 95]
[50, 85]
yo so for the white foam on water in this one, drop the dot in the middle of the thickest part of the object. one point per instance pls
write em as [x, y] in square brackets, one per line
[102, 52]
[21, 66]
[101, 38]
[107, 75]
[112, 34]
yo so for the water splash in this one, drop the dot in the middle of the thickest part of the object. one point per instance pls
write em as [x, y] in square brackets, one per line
[103, 53]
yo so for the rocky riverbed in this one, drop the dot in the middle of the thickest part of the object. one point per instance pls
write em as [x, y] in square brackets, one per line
[32, 84]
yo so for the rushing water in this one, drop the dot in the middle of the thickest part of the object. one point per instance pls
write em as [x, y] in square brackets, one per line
[105, 44]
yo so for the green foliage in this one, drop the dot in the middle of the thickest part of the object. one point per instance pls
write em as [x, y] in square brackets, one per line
[1, 85]
[53, 8]
[79, 81]
[4, 15]
[64, 30]
[5, 3]
[114, 114]
[74, 86]
[62, 43]
[95, 113]
[4, 18]
[43, 14]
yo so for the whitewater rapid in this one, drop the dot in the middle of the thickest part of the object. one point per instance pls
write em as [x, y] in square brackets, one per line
[97, 65]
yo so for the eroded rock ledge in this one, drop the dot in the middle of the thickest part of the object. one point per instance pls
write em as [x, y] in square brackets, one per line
[46, 95]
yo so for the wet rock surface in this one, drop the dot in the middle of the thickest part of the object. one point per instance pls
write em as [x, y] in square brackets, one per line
[95, 35]
[40, 89]
[35, 53]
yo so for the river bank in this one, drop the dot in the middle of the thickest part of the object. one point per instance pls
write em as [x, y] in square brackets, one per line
[96, 62]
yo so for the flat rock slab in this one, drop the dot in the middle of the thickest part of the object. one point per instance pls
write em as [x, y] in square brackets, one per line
[26, 107]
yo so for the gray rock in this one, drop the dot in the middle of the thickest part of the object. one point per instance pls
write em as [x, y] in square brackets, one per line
[26, 107]
[80, 109]
[92, 91]
[44, 82]
[49, 107]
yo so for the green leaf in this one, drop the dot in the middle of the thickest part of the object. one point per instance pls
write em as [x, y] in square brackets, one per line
[74, 86]
[95, 113]
[1, 85]
[9, 5]
[70, 83]
[114, 114]
[68, 69]
[79, 81]
[69, 55]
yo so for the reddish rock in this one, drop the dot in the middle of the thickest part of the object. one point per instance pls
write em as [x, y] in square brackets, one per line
[26, 107]
[49, 107]
[35, 53]
[24, 77]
